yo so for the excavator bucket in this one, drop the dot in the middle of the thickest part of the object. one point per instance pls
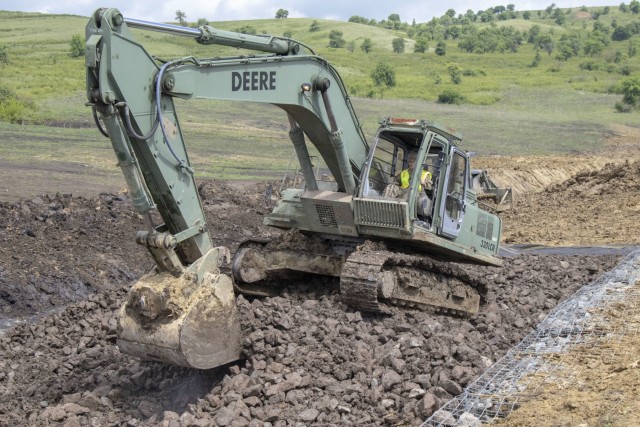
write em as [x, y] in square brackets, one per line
[176, 320]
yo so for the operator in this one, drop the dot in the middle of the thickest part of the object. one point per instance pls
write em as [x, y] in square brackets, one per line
[405, 175]
[424, 201]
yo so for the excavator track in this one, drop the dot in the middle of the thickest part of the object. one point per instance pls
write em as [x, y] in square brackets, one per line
[371, 279]
[261, 267]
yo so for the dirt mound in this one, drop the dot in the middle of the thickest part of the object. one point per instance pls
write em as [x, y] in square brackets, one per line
[594, 207]
[59, 249]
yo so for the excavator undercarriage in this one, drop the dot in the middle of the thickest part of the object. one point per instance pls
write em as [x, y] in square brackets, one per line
[371, 276]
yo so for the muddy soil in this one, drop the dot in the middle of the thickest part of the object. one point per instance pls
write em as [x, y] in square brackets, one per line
[308, 359]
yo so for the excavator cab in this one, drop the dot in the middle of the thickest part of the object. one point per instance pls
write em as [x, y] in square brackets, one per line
[438, 211]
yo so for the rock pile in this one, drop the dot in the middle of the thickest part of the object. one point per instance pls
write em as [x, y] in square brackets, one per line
[309, 360]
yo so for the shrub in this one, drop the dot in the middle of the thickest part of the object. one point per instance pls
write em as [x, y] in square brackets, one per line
[449, 96]
[12, 108]
[384, 75]
[456, 73]
[4, 56]
[441, 48]
[421, 46]
[622, 107]
[246, 29]
[367, 45]
[335, 39]
[77, 46]
[314, 26]
[630, 89]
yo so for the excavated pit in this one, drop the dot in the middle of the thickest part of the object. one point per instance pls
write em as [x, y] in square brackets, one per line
[308, 358]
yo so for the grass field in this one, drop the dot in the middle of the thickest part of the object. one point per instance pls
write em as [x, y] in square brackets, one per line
[511, 108]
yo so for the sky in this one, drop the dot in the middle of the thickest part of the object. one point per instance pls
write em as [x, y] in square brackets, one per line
[231, 10]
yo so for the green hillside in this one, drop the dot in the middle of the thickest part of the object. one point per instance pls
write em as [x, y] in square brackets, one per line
[519, 96]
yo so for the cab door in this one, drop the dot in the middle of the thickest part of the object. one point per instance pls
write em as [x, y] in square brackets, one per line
[453, 205]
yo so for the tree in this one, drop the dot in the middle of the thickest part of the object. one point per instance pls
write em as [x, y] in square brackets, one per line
[314, 26]
[202, 21]
[487, 16]
[282, 13]
[77, 46]
[568, 46]
[394, 17]
[367, 45]
[624, 8]
[398, 45]
[450, 13]
[421, 46]
[550, 8]
[545, 42]
[383, 76]
[335, 39]
[621, 33]
[526, 15]
[634, 6]
[441, 48]
[181, 17]
[534, 32]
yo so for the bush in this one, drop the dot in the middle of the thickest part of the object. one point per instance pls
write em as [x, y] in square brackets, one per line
[335, 39]
[456, 73]
[246, 29]
[441, 48]
[590, 65]
[4, 56]
[384, 75]
[421, 46]
[449, 96]
[77, 46]
[630, 90]
[12, 108]
[367, 45]
[622, 107]
[314, 26]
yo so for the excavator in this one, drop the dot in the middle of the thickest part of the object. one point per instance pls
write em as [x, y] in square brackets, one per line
[389, 240]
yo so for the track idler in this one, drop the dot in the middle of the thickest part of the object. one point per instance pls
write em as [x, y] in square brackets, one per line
[190, 320]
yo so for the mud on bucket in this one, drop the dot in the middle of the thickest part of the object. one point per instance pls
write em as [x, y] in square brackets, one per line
[174, 320]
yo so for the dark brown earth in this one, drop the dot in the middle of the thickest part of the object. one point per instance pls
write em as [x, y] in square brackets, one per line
[309, 360]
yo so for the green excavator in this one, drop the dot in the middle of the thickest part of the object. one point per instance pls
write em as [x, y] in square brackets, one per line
[391, 240]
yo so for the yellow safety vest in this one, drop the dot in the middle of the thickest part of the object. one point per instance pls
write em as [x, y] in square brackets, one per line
[405, 177]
